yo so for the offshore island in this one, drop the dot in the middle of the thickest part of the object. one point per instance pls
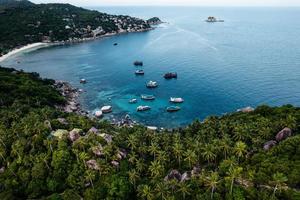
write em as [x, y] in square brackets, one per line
[47, 153]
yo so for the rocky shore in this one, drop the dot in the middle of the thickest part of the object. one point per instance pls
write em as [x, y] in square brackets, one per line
[72, 96]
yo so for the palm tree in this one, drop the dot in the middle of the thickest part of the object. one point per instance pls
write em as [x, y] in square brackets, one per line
[90, 176]
[241, 132]
[162, 157]
[132, 141]
[212, 182]
[162, 190]
[83, 157]
[240, 149]
[209, 153]
[190, 157]
[145, 192]
[132, 157]
[155, 169]
[232, 175]
[224, 145]
[178, 150]
[140, 165]
[184, 189]
[153, 149]
[133, 176]
[279, 182]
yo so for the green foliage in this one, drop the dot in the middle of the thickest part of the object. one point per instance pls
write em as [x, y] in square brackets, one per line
[223, 156]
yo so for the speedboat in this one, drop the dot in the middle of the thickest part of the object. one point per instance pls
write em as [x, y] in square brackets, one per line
[139, 72]
[176, 100]
[138, 63]
[143, 108]
[152, 84]
[173, 108]
[170, 75]
[106, 109]
[132, 101]
[82, 81]
[148, 97]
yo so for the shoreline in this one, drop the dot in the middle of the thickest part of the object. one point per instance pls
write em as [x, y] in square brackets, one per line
[39, 45]
[28, 47]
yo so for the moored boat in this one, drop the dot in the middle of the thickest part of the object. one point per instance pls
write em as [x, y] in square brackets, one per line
[106, 109]
[152, 84]
[115, 44]
[138, 63]
[170, 75]
[176, 100]
[143, 108]
[173, 108]
[139, 72]
[132, 101]
[82, 81]
[147, 97]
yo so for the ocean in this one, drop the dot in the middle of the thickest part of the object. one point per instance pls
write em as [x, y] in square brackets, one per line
[250, 59]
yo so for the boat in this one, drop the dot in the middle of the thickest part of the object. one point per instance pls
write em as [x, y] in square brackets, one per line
[132, 101]
[147, 97]
[115, 44]
[170, 75]
[106, 109]
[138, 63]
[98, 113]
[152, 84]
[173, 108]
[176, 100]
[143, 108]
[139, 72]
[82, 81]
[212, 19]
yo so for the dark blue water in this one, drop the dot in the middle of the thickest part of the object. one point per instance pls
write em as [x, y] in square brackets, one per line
[252, 58]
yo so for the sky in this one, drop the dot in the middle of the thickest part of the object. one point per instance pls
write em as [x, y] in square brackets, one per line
[176, 2]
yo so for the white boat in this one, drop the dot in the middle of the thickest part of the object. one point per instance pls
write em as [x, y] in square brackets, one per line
[133, 101]
[152, 84]
[173, 108]
[147, 97]
[139, 72]
[143, 108]
[106, 109]
[176, 100]
[98, 114]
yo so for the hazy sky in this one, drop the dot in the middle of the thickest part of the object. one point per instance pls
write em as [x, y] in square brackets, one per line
[177, 2]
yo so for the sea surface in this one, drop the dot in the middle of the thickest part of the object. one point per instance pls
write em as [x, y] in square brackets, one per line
[253, 58]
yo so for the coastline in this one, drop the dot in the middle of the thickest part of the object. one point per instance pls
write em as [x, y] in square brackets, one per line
[39, 45]
[29, 47]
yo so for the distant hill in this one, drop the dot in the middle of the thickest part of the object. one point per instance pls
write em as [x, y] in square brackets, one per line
[22, 22]
[15, 3]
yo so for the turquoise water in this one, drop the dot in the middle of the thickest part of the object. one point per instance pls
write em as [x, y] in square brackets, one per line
[252, 58]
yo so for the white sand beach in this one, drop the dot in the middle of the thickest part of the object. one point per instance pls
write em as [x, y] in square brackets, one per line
[28, 47]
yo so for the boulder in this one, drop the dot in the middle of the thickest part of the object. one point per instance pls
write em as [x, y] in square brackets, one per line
[185, 176]
[107, 137]
[75, 134]
[2, 169]
[174, 174]
[98, 150]
[93, 130]
[92, 164]
[59, 133]
[268, 145]
[283, 134]
[195, 171]
[115, 163]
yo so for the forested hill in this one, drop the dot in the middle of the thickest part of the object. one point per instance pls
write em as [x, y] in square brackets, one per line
[22, 22]
[48, 154]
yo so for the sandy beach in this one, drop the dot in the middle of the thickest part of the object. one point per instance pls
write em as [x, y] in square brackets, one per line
[28, 47]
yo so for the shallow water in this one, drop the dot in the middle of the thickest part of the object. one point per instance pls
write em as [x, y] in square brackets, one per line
[252, 58]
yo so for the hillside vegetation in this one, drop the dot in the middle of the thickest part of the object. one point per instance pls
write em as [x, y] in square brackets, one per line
[48, 154]
[23, 23]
